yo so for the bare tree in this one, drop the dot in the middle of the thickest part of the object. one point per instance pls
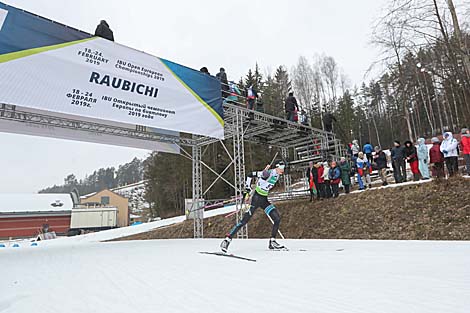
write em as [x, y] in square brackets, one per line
[303, 80]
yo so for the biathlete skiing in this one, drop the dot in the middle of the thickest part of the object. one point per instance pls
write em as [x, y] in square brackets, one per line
[266, 181]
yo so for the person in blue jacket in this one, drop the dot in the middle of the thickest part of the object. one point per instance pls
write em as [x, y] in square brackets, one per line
[363, 170]
[367, 149]
[335, 177]
[423, 158]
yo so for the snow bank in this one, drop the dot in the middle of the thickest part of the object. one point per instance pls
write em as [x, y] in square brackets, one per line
[170, 276]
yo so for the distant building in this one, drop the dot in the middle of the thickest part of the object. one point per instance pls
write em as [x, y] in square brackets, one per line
[107, 197]
[135, 193]
[25, 215]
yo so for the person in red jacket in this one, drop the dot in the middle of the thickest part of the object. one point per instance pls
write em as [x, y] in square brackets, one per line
[321, 180]
[436, 158]
[465, 145]
[411, 156]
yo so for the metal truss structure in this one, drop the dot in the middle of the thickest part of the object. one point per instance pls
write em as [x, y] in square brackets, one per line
[298, 143]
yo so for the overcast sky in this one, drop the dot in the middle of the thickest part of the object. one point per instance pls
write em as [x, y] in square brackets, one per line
[211, 33]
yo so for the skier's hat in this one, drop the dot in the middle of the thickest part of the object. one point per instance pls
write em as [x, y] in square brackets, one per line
[281, 165]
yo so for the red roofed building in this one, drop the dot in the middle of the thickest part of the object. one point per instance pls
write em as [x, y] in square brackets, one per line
[24, 215]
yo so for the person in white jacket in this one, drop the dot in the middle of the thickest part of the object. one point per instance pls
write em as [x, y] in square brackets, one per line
[449, 149]
[326, 170]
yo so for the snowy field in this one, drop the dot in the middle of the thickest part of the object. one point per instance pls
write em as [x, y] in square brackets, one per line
[168, 276]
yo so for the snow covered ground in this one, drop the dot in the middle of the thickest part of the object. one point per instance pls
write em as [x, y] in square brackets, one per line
[332, 276]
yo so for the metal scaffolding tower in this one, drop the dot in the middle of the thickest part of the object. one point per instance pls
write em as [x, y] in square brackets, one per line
[198, 202]
[302, 142]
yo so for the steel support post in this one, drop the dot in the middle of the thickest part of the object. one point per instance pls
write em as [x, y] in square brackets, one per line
[198, 202]
[287, 177]
[239, 168]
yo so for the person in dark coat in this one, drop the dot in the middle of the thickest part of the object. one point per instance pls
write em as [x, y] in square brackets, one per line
[411, 156]
[335, 177]
[436, 158]
[380, 160]
[222, 77]
[345, 172]
[328, 120]
[398, 162]
[103, 31]
[291, 107]
[204, 70]
[312, 177]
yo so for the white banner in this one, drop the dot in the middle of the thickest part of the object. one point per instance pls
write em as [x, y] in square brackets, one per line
[48, 66]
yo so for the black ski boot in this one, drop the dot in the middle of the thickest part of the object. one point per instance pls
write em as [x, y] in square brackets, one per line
[225, 243]
[274, 245]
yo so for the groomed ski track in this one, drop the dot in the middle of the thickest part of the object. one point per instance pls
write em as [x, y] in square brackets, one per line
[171, 276]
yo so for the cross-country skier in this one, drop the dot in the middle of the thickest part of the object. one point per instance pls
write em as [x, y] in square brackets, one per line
[267, 180]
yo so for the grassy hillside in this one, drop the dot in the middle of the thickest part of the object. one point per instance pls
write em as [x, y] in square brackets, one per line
[429, 211]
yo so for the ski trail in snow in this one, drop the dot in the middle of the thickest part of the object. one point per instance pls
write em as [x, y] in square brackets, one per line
[171, 276]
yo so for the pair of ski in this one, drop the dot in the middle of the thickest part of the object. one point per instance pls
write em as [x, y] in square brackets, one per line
[230, 255]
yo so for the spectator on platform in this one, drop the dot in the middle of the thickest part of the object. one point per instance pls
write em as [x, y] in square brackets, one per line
[103, 31]
[345, 168]
[251, 96]
[312, 177]
[204, 70]
[367, 149]
[303, 118]
[465, 145]
[436, 158]
[449, 147]
[334, 175]
[234, 93]
[411, 156]
[222, 77]
[398, 162]
[321, 181]
[380, 160]
[326, 179]
[423, 158]
[291, 107]
[363, 171]
[328, 120]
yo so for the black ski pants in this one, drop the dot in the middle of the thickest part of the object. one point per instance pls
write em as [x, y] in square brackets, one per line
[259, 201]
[452, 164]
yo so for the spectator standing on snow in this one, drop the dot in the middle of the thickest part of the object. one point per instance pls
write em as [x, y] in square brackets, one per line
[345, 170]
[380, 160]
[103, 31]
[321, 181]
[411, 156]
[363, 171]
[436, 158]
[398, 161]
[312, 177]
[449, 147]
[367, 149]
[222, 77]
[326, 179]
[465, 145]
[423, 158]
[335, 177]
[291, 107]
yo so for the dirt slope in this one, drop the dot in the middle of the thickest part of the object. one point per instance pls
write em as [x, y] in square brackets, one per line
[430, 211]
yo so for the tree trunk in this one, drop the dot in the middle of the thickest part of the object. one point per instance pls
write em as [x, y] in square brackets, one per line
[458, 36]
